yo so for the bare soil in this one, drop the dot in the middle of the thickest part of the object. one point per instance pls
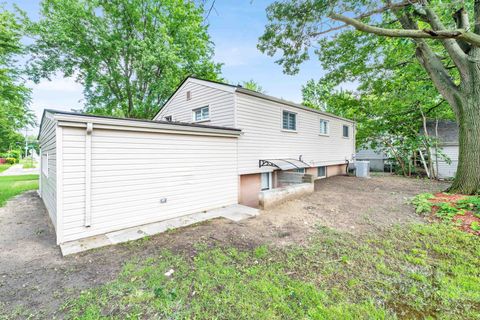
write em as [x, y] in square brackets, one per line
[34, 277]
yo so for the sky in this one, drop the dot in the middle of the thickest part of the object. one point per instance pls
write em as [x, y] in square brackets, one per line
[234, 27]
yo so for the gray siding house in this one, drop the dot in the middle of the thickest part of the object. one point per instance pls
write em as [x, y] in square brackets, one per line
[448, 143]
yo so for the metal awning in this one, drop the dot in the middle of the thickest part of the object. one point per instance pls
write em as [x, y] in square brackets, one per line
[283, 164]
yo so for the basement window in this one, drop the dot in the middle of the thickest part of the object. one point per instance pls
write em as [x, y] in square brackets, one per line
[201, 114]
[266, 180]
[322, 172]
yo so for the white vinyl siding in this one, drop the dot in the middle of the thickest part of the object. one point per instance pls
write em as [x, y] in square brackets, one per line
[48, 179]
[221, 105]
[289, 120]
[132, 173]
[261, 138]
[446, 170]
[324, 127]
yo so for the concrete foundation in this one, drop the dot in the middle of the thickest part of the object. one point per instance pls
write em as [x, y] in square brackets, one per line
[234, 212]
[271, 198]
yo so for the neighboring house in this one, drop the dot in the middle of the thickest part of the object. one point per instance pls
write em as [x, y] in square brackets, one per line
[376, 158]
[447, 143]
[211, 145]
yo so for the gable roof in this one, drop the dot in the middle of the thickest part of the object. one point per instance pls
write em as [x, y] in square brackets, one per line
[239, 89]
[75, 117]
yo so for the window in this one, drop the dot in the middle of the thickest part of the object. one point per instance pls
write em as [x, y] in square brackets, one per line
[346, 131]
[266, 180]
[168, 118]
[323, 127]
[45, 164]
[289, 120]
[189, 95]
[322, 172]
[201, 114]
[300, 170]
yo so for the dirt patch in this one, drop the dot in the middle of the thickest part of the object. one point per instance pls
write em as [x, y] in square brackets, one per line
[34, 275]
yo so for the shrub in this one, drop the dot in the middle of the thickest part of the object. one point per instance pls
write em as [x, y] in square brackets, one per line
[10, 160]
[421, 203]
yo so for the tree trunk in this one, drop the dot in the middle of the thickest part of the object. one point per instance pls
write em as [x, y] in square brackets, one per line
[467, 179]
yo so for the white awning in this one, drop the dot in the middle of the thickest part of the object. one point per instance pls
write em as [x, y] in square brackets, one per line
[283, 164]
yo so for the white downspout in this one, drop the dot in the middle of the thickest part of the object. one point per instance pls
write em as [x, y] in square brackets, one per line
[88, 175]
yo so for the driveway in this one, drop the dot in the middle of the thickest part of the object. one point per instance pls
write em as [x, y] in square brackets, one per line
[35, 279]
[17, 170]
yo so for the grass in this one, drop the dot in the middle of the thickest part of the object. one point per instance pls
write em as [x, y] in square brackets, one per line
[416, 271]
[4, 167]
[28, 163]
[11, 186]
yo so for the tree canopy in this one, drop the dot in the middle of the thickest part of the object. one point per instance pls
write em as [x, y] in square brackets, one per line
[14, 95]
[129, 55]
[441, 38]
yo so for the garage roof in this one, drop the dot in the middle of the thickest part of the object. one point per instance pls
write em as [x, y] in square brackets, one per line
[76, 119]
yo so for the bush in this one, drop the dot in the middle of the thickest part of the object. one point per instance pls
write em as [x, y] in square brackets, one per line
[10, 160]
[421, 203]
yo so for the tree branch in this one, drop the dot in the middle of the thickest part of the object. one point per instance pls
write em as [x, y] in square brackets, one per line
[461, 19]
[460, 34]
[453, 48]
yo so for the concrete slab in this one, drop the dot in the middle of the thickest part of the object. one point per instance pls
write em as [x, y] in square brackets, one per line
[235, 213]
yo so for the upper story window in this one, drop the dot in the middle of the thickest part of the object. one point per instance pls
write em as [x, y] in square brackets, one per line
[201, 114]
[189, 95]
[168, 118]
[324, 127]
[289, 120]
[346, 131]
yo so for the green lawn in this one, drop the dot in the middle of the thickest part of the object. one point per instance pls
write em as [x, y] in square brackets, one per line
[4, 167]
[416, 271]
[11, 186]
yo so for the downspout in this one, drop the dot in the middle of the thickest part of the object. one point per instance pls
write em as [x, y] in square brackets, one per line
[88, 175]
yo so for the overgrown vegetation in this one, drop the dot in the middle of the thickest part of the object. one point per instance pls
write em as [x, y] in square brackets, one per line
[417, 271]
[11, 186]
[463, 211]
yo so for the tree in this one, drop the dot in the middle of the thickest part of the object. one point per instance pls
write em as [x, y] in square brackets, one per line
[446, 44]
[14, 95]
[253, 85]
[392, 101]
[129, 55]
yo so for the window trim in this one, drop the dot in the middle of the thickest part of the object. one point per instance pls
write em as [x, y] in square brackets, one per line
[269, 179]
[200, 108]
[348, 131]
[318, 171]
[328, 127]
[295, 123]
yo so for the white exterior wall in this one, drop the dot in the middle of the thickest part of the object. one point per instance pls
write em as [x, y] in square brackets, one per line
[220, 102]
[131, 171]
[48, 185]
[263, 137]
[446, 170]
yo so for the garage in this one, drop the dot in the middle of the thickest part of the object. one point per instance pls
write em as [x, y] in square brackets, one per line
[101, 174]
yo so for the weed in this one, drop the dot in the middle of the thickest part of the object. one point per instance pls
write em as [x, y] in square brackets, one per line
[422, 203]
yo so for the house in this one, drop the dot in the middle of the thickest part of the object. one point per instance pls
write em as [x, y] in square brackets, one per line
[212, 145]
[377, 158]
[446, 132]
